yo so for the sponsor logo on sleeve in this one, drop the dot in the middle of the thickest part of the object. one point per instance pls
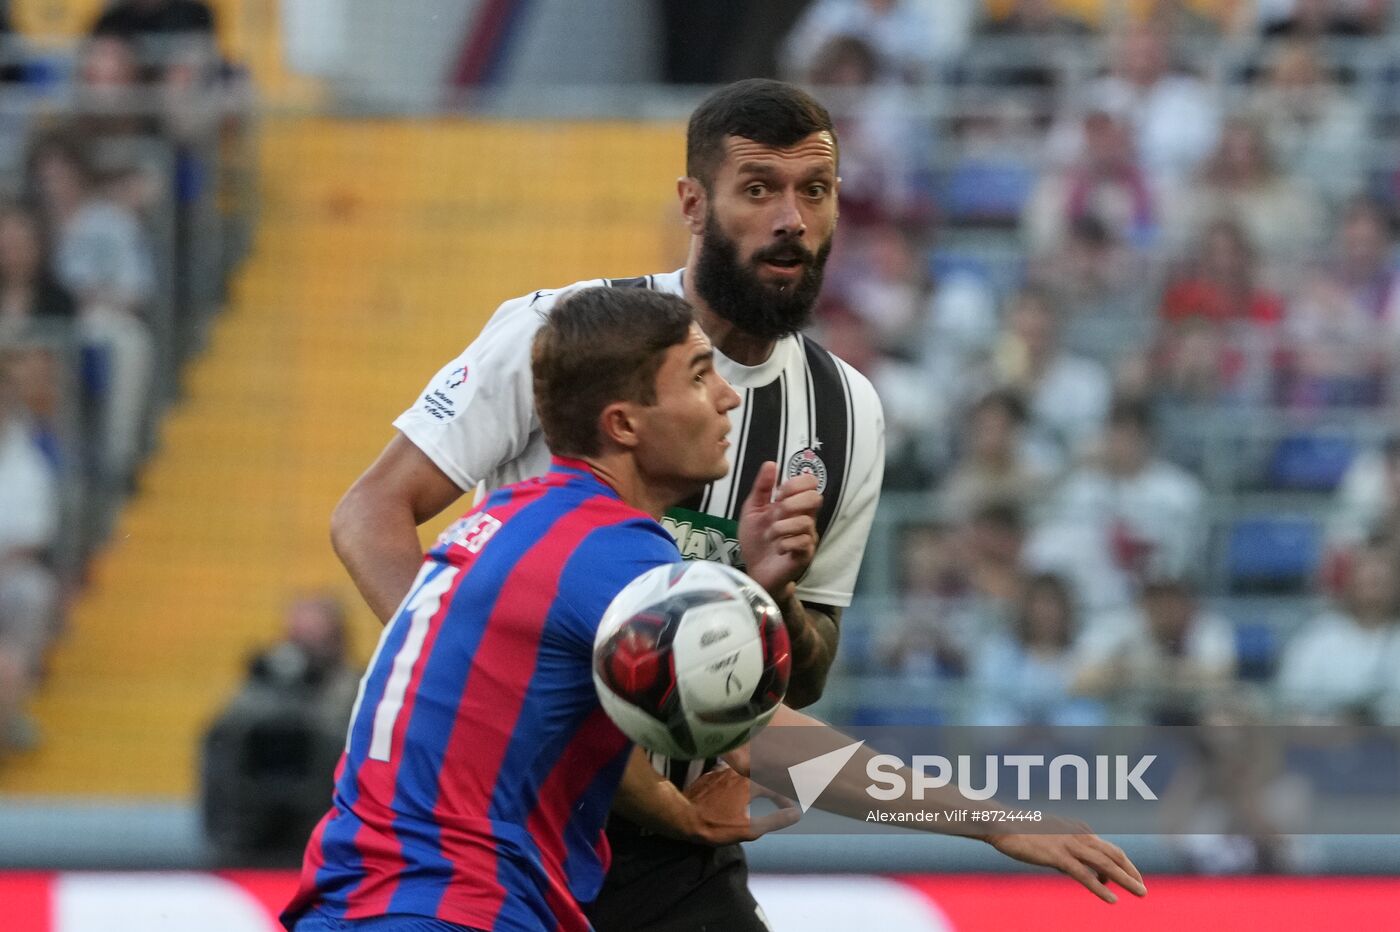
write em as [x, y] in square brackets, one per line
[438, 402]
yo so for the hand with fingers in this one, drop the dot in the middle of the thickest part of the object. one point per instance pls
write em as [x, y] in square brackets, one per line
[778, 530]
[720, 803]
[1081, 854]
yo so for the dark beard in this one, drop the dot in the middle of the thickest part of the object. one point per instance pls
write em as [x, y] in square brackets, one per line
[734, 291]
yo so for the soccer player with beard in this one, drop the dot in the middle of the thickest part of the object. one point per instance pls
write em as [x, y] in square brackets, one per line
[760, 200]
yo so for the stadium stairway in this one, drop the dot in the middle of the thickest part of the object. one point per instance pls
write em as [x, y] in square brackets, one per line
[382, 248]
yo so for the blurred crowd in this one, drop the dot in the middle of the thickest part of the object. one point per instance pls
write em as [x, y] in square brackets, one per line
[118, 227]
[1125, 277]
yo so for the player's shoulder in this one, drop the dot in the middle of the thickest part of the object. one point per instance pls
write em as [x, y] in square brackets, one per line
[622, 543]
[534, 306]
[865, 400]
[544, 300]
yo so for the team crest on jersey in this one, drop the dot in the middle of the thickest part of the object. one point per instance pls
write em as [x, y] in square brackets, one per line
[807, 461]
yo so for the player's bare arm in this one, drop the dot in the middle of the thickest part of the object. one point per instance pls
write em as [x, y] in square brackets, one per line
[374, 528]
[1077, 852]
[714, 810]
[813, 650]
[778, 539]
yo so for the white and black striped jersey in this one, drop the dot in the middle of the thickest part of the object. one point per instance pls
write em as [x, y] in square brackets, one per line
[802, 407]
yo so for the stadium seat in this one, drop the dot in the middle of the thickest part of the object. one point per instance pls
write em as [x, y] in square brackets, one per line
[1310, 462]
[1256, 650]
[1272, 554]
[986, 191]
[1367, 766]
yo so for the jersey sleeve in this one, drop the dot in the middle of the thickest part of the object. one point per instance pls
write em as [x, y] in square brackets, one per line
[607, 560]
[478, 412]
[831, 579]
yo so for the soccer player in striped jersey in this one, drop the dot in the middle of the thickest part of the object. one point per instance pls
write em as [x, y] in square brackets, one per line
[760, 201]
[479, 765]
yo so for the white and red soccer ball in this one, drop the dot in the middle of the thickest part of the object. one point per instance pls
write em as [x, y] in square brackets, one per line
[691, 659]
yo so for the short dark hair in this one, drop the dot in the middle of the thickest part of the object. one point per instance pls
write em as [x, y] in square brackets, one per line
[597, 347]
[773, 113]
[1007, 400]
[1059, 589]
[1134, 413]
[1001, 514]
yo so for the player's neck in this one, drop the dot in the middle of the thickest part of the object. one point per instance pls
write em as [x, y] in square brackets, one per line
[620, 473]
[736, 344]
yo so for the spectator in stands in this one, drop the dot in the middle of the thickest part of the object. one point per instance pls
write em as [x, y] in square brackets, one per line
[1106, 182]
[932, 587]
[314, 641]
[1219, 324]
[1283, 215]
[1129, 516]
[1174, 117]
[1345, 665]
[30, 296]
[881, 279]
[883, 150]
[965, 584]
[1067, 395]
[1346, 313]
[1035, 19]
[995, 536]
[1023, 676]
[112, 97]
[1367, 503]
[29, 592]
[960, 332]
[279, 738]
[912, 406]
[1165, 661]
[101, 255]
[40, 386]
[1092, 268]
[899, 31]
[1317, 131]
[1317, 19]
[998, 465]
[110, 70]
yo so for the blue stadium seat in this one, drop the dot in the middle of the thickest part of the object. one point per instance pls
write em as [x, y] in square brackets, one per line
[1368, 767]
[1272, 555]
[1310, 462]
[1256, 650]
[1003, 274]
[991, 191]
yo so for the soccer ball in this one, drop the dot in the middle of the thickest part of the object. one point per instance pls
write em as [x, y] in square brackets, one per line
[691, 659]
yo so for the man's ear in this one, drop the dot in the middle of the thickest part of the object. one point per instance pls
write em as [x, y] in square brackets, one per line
[694, 203]
[617, 425]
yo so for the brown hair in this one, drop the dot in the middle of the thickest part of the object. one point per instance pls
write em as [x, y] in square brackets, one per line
[600, 346]
[773, 113]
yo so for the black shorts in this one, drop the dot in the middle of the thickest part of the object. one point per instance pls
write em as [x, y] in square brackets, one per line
[659, 885]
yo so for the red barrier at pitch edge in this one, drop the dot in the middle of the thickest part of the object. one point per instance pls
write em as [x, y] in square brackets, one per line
[249, 902]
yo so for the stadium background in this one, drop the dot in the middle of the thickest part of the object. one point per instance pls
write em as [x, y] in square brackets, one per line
[361, 184]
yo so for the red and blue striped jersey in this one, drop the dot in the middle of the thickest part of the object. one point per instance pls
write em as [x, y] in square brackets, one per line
[479, 766]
